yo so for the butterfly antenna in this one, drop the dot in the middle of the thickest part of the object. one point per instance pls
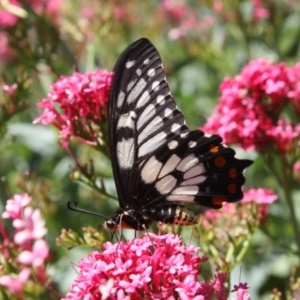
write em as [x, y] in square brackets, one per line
[78, 209]
[241, 269]
[119, 239]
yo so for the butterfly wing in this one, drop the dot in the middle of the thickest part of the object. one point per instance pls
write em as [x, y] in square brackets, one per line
[193, 168]
[156, 159]
[143, 116]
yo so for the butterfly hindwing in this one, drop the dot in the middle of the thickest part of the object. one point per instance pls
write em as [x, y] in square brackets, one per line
[196, 169]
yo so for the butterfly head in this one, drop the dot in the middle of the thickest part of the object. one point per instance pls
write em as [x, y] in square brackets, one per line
[128, 219]
[112, 226]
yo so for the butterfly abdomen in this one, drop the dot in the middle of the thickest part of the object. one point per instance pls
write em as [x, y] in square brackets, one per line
[174, 214]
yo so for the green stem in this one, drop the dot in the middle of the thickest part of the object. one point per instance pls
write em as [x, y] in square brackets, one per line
[286, 180]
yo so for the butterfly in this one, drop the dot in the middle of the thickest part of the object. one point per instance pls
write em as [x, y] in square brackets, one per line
[159, 165]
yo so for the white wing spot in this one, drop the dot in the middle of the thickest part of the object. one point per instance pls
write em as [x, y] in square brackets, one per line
[180, 198]
[195, 171]
[169, 166]
[155, 85]
[207, 135]
[152, 127]
[139, 72]
[172, 145]
[166, 184]
[160, 99]
[141, 84]
[168, 113]
[130, 85]
[184, 134]
[192, 144]
[121, 98]
[126, 120]
[125, 153]
[186, 190]
[150, 170]
[146, 61]
[152, 144]
[143, 100]
[175, 127]
[146, 115]
[187, 163]
[151, 72]
[132, 114]
[129, 64]
[193, 181]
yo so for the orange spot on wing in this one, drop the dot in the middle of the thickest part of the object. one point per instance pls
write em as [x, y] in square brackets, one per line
[220, 161]
[213, 148]
[231, 188]
[232, 173]
[219, 200]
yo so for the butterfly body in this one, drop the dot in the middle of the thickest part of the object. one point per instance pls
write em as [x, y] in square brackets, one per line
[141, 219]
[159, 165]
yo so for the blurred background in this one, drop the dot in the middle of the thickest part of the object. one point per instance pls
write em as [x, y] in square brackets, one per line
[200, 42]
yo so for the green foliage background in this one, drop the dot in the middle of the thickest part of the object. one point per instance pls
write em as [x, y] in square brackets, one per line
[44, 48]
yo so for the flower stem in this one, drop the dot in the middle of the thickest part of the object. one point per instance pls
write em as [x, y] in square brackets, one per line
[286, 180]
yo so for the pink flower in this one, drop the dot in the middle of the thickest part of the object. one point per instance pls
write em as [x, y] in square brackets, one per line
[82, 102]
[14, 206]
[10, 12]
[6, 53]
[229, 218]
[259, 12]
[36, 257]
[251, 107]
[260, 195]
[9, 89]
[174, 9]
[30, 227]
[187, 21]
[23, 252]
[106, 288]
[149, 267]
[296, 168]
[242, 293]
[217, 6]
[15, 283]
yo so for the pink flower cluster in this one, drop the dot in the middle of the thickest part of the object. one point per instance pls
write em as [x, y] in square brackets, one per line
[13, 11]
[30, 250]
[10, 11]
[151, 267]
[252, 105]
[77, 104]
[259, 11]
[186, 20]
[261, 196]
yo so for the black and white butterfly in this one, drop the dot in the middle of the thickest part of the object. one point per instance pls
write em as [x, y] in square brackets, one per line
[159, 165]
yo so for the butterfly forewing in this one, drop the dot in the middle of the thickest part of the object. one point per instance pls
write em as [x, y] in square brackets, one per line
[143, 115]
